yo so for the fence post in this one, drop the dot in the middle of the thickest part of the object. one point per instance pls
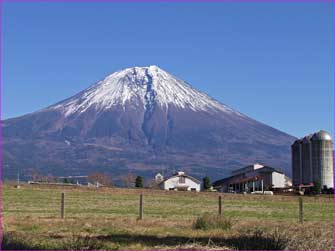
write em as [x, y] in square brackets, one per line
[301, 210]
[141, 207]
[220, 205]
[62, 207]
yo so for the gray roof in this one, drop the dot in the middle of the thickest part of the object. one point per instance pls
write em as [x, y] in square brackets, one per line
[321, 135]
[183, 175]
[296, 142]
[307, 139]
[264, 169]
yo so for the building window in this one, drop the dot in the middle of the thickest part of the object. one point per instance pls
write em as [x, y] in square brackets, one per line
[181, 179]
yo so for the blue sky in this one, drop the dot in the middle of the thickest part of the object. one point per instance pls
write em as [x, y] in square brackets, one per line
[271, 61]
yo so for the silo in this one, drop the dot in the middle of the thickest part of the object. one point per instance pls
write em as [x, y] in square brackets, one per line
[322, 158]
[296, 163]
[307, 174]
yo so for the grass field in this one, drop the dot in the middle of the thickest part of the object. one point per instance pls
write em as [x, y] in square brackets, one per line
[108, 219]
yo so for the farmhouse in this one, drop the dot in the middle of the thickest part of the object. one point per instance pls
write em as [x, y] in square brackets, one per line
[180, 182]
[253, 178]
[159, 178]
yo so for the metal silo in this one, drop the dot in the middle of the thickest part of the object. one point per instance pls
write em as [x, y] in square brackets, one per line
[307, 174]
[322, 158]
[296, 162]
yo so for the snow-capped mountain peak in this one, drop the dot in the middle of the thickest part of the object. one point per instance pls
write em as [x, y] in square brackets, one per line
[141, 86]
[140, 119]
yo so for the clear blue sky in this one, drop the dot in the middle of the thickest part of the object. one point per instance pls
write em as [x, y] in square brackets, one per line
[271, 61]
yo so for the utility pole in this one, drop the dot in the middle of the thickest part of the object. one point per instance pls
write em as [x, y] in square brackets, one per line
[141, 207]
[220, 205]
[18, 180]
[62, 206]
[301, 210]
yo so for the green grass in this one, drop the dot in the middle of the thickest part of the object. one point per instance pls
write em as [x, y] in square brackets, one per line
[46, 203]
[106, 218]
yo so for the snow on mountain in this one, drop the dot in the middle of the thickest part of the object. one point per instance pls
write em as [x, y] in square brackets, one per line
[141, 86]
[140, 119]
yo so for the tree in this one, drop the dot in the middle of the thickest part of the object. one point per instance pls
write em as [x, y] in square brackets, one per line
[36, 176]
[324, 189]
[50, 178]
[101, 178]
[206, 183]
[139, 181]
[128, 180]
[317, 187]
[151, 184]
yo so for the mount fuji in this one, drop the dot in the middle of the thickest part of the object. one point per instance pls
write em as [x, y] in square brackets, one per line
[140, 120]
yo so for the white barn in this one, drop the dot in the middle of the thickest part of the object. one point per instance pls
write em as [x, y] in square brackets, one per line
[181, 182]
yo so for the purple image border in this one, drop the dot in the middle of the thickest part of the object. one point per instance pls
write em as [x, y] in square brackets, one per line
[139, 1]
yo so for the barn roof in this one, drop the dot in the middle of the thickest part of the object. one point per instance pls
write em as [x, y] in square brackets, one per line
[240, 177]
[182, 175]
[221, 181]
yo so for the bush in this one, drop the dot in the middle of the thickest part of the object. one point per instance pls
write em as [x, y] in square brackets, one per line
[15, 241]
[206, 183]
[208, 221]
[317, 187]
[326, 190]
[139, 181]
[330, 191]
[258, 239]
[78, 242]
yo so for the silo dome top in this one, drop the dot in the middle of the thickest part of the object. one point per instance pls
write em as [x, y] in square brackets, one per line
[322, 135]
[297, 142]
[307, 139]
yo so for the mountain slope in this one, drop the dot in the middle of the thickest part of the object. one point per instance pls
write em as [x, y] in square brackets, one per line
[141, 119]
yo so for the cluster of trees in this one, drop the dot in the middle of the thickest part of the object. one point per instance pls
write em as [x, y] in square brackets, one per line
[128, 180]
[36, 176]
[206, 182]
[101, 178]
[318, 189]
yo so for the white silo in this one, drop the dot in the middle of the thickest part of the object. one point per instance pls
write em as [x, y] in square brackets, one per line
[322, 159]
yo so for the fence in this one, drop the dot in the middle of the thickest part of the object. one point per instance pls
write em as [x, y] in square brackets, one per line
[300, 206]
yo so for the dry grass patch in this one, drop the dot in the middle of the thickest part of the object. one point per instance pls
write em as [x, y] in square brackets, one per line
[213, 221]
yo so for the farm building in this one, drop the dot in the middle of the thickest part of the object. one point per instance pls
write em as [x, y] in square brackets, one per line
[159, 178]
[253, 178]
[312, 160]
[78, 180]
[180, 182]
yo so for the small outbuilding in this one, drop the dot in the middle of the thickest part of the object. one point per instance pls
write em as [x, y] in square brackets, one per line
[159, 178]
[181, 182]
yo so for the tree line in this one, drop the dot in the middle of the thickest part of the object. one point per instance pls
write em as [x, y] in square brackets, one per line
[128, 180]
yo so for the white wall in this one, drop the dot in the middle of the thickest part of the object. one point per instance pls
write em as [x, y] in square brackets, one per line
[173, 182]
[278, 180]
